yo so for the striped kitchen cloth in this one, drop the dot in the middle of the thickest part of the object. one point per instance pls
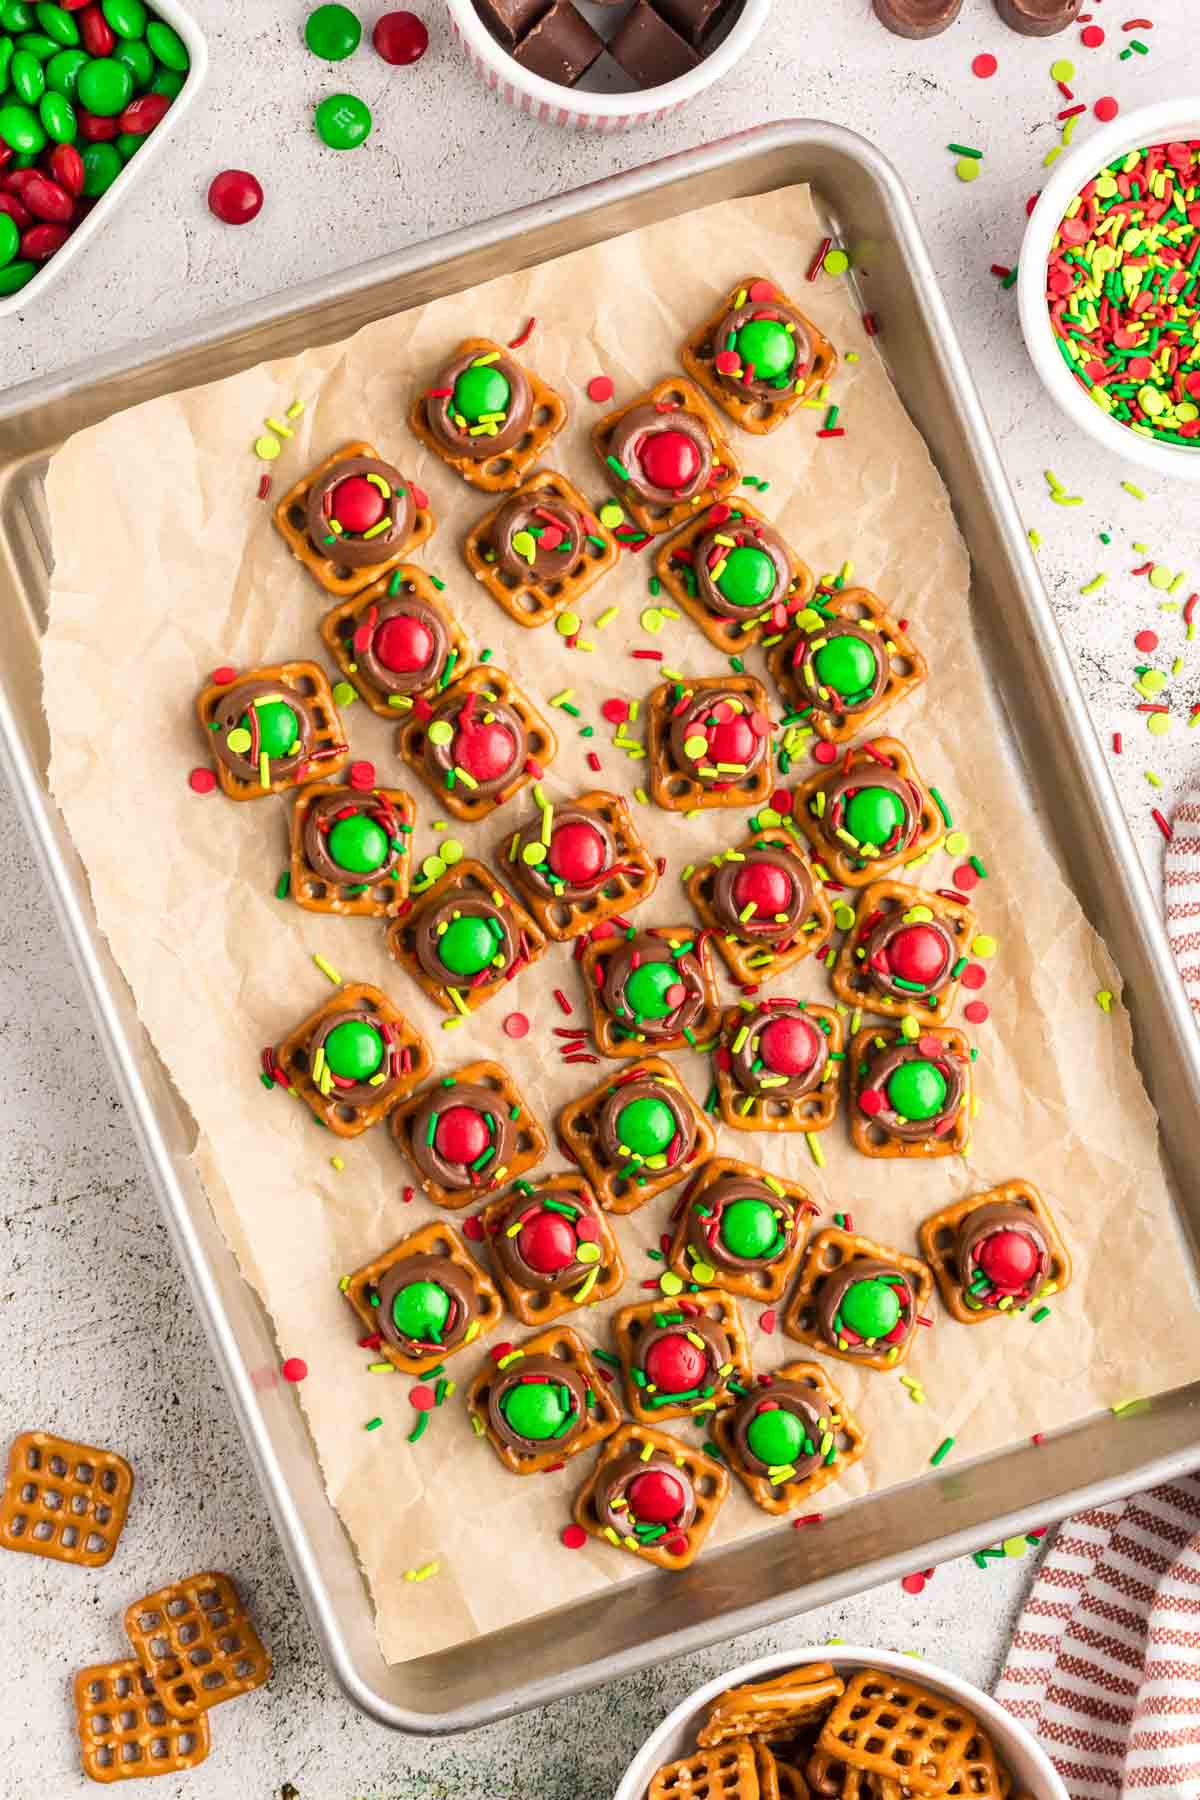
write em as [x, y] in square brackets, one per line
[1104, 1668]
[1181, 890]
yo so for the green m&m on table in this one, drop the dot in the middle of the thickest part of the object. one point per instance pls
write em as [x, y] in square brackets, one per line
[343, 121]
[332, 33]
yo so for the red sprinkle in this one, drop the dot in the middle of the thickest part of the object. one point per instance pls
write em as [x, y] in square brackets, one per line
[499, 1351]
[870, 324]
[564, 1005]
[409, 1195]
[1146, 640]
[1164, 825]
[836, 431]
[223, 676]
[647, 655]
[974, 976]
[767, 1321]
[781, 800]
[824, 752]
[966, 878]
[984, 65]
[522, 337]
[362, 776]
[1106, 108]
[818, 261]
[516, 1025]
[1092, 36]
[1116, 743]
[423, 1397]
[913, 1584]
[264, 487]
[593, 762]
[977, 1012]
[1071, 112]
[807, 1519]
[615, 711]
[202, 781]
[1064, 90]
[1001, 269]
[294, 1369]
[870, 1101]
[574, 1537]
[600, 388]
[472, 1227]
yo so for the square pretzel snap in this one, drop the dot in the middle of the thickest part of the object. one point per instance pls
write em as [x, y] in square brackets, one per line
[709, 743]
[776, 1709]
[735, 575]
[468, 1134]
[424, 1300]
[125, 1731]
[271, 729]
[788, 1440]
[653, 1496]
[464, 938]
[352, 519]
[64, 1500]
[779, 1065]
[578, 863]
[896, 1728]
[540, 550]
[395, 640]
[995, 1254]
[868, 813]
[477, 743]
[740, 1229]
[911, 1097]
[487, 416]
[905, 954]
[353, 1059]
[651, 990]
[542, 1403]
[727, 1772]
[196, 1642]
[552, 1248]
[635, 1135]
[758, 355]
[351, 849]
[763, 903]
[845, 662]
[857, 1300]
[678, 456]
[681, 1358]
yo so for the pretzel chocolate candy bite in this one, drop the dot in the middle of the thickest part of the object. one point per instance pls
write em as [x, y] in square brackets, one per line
[464, 938]
[552, 1248]
[845, 662]
[997, 1253]
[788, 1440]
[542, 1403]
[681, 1359]
[778, 1065]
[579, 863]
[917, 18]
[664, 455]
[540, 550]
[734, 575]
[758, 355]
[425, 1298]
[911, 1096]
[905, 954]
[271, 729]
[1038, 18]
[652, 1495]
[868, 813]
[396, 640]
[740, 1230]
[487, 416]
[469, 1134]
[635, 1135]
[857, 1300]
[479, 743]
[709, 743]
[651, 989]
[352, 519]
[353, 1059]
[763, 904]
[350, 849]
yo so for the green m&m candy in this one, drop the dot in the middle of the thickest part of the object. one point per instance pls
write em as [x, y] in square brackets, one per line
[14, 277]
[57, 23]
[105, 87]
[58, 117]
[16, 15]
[648, 990]
[776, 1437]
[128, 144]
[128, 18]
[768, 347]
[872, 814]
[354, 1050]
[871, 1308]
[537, 1409]
[277, 725]
[359, 844]
[479, 390]
[168, 46]
[467, 945]
[332, 33]
[134, 55]
[646, 1126]
[168, 82]
[7, 49]
[10, 239]
[21, 129]
[101, 166]
[847, 665]
[37, 44]
[28, 78]
[917, 1090]
[62, 71]
[420, 1311]
[748, 578]
[748, 1228]
[343, 121]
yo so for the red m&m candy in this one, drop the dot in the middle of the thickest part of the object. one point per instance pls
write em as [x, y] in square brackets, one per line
[656, 1498]
[235, 196]
[669, 459]
[400, 38]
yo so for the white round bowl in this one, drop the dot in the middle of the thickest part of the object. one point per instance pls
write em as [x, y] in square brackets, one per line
[675, 1737]
[597, 112]
[1164, 123]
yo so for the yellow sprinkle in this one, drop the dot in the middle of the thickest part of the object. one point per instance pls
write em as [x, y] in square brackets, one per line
[454, 1023]
[337, 1163]
[267, 448]
[295, 409]
[1131, 488]
[327, 970]
[606, 617]
[815, 1150]
[278, 426]
[983, 945]
[421, 1574]
[457, 1000]
[641, 796]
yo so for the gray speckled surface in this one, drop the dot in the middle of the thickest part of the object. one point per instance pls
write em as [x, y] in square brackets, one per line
[96, 1331]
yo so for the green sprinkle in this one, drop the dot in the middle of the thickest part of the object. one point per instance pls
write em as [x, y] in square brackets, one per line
[965, 150]
[943, 1450]
[283, 885]
[419, 1427]
[373, 1424]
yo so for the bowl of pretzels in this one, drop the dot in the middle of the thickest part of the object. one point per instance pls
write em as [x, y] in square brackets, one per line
[840, 1724]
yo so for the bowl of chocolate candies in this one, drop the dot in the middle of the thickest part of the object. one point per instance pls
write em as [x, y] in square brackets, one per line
[604, 65]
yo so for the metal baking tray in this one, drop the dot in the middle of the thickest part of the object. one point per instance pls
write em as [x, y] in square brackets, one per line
[1055, 755]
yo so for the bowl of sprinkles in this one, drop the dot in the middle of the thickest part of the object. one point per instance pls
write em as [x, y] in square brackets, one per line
[1109, 287]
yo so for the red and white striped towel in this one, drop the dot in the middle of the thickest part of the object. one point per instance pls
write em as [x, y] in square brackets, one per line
[1105, 1664]
[1181, 889]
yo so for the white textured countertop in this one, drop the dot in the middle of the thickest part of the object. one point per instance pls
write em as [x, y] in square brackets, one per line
[96, 1330]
